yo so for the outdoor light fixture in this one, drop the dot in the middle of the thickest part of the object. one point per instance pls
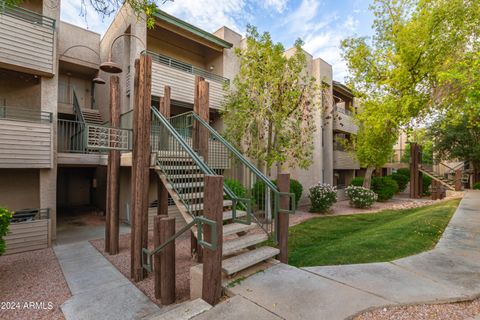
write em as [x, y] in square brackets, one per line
[97, 78]
[110, 66]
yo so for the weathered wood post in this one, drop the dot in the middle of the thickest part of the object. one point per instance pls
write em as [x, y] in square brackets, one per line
[283, 218]
[200, 140]
[113, 170]
[157, 241]
[458, 180]
[414, 171]
[162, 193]
[167, 261]
[212, 259]
[140, 163]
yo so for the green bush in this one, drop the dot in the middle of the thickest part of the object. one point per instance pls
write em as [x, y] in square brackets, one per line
[5, 217]
[237, 188]
[426, 182]
[405, 172]
[258, 191]
[360, 197]
[384, 187]
[402, 180]
[357, 181]
[476, 186]
[322, 197]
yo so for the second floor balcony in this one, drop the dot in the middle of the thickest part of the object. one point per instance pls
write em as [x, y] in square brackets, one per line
[344, 121]
[27, 40]
[180, 76]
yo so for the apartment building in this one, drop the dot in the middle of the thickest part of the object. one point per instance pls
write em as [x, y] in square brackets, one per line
[51, 88]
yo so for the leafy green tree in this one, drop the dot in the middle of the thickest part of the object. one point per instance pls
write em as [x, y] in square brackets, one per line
[269, 112]
[416, 63]
[455, 137]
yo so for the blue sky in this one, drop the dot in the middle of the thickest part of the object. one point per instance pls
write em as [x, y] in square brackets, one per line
[320, 23]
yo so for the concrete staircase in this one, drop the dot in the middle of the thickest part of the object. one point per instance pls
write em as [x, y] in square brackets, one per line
[92, 116]
[184, 181]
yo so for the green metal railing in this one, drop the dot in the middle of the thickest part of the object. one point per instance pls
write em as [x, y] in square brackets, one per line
[102, 138]
[71, 136]
[26, 15]
[183, 66]
[24, 114]
[76, 108]
[260, 196]
[31, 214]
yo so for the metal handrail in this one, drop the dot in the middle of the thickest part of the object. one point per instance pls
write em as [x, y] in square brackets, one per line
[25, 114]
[77, 109]
[183, 66]
[26, 15]
[265, 196]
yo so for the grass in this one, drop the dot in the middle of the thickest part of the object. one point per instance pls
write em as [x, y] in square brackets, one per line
[362, 238]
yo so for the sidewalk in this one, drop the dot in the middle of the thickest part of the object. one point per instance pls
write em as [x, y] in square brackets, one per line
[99, 290]
[449, 272]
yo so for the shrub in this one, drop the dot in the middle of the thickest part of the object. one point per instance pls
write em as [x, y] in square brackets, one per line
[360, 197]
[237, 188]
[426, 182]
[5, 217]
[405, 172]
[384, 187]
[476, 186]
[258, 191]
[402, 181]
[357, 181]
[322, 197]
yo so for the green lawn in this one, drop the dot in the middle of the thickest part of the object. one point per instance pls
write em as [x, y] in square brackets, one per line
[375, 237]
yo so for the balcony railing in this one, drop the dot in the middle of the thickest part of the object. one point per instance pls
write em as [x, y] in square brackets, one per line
[183, 66]
[24, 114]
[26, 39]
[71, 136]
[344, 111]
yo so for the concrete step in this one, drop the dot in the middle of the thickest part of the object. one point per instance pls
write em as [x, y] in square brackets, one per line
[227, 215]
[186, 176]
[226, 203]
[231, 246]
[184, 311]
[185, 185]
[233, 228]
[248, 259]
[180, 168]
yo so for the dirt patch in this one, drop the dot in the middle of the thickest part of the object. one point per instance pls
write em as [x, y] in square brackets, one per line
[447, 311]
[183, 263]
[32, 277]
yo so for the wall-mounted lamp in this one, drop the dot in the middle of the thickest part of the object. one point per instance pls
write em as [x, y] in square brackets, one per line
[97, 78]
[110, 66]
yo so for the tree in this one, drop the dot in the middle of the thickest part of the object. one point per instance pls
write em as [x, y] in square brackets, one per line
[455, 137]
[423, 138]
[107, 7]
[269, 112]
[415, 64]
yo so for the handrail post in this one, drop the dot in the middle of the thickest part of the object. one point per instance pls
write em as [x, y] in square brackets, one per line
[157, 241]
[458, 180]
[212, 259]
[283, 217]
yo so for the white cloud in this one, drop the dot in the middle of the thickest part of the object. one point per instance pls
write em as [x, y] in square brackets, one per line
[278, 5]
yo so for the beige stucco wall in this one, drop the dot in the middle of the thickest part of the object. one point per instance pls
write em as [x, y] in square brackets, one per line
[19, 188]
[20, 90]
[70, 41]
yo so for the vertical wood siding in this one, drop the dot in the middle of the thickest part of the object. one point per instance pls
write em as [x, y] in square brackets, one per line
[25, 144]
[347, 121]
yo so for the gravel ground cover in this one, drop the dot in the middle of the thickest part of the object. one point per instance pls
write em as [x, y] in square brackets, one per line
[448, 311]
[28, 278]
[183, 263]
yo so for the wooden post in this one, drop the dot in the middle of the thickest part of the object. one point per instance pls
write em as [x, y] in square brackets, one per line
[414, 173]
[162, 193]
[458, 180]
[283, 218]
[113, 178]
[212, 259]
[140, 163]
[167, 261]
[165, 108]
[157, 241]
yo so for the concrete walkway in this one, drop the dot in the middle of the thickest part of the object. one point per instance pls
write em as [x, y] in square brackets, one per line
[99, 290]
[449, 272]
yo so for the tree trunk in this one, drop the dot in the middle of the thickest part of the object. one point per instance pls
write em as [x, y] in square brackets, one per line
[367, 181]
[476, 172]
[269, 148]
